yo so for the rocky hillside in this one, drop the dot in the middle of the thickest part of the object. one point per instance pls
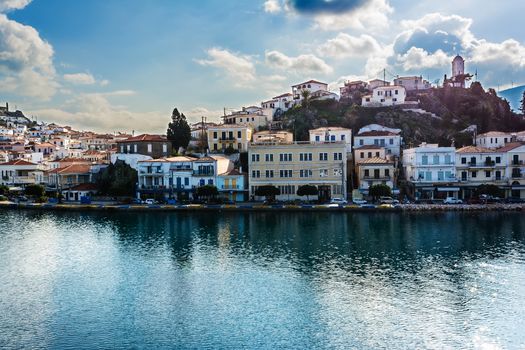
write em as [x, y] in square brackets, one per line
[450, 111]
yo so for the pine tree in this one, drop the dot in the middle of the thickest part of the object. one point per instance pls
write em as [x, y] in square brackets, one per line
[179, 132]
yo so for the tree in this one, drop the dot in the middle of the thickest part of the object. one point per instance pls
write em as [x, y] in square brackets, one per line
[307, 190]
[522, 106]
[35, 190]
[179, 132]
[207, 191]
[306, 95]
[268, 191]
[4, 190]
[117, 179]
[379, 190]
[230, 150]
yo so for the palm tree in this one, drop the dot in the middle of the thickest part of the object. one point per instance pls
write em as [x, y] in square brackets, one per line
[305, 94]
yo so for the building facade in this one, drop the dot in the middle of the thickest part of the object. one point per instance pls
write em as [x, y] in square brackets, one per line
[385, 96]
[155, 146]
[222, 137]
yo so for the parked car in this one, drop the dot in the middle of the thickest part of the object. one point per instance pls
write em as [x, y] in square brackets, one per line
[136, 201]
[150, 201]
[359, 201]
[452, 200]
[512, 200]
[339, 201]
[22, 198]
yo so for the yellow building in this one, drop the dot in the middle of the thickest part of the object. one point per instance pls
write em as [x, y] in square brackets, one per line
[291, 165]
[375, 171]
[223, 136]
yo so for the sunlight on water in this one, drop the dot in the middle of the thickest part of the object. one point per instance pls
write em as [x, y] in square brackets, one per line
[262, 280]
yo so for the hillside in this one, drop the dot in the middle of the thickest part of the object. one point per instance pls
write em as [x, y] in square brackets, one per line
[455, 109]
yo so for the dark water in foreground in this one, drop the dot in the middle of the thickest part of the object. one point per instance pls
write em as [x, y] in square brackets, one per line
[262, 280]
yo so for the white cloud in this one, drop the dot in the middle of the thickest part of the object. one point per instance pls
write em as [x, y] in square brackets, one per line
[80, 79]
[104, 82]
[6, 5]
[301, 64]
[345, 45]
[26, 61]
[370, 17]
[417, 58]
[509, 52]
[240, 68]
[272, 6]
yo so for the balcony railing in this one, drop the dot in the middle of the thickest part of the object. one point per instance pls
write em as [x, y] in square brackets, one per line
[517, 162]
[203, 173]
[378, 178]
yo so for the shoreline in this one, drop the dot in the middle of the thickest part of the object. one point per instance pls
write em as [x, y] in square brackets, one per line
[260, 208]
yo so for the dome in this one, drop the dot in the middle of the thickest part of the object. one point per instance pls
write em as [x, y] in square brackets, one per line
[458, 58]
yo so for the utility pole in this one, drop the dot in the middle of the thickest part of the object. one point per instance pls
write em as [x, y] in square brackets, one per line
[384, 76]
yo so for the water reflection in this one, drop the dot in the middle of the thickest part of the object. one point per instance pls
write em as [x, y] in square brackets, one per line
[262, 280]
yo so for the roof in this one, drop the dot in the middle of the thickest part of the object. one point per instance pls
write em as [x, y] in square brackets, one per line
[376, 133]
[72, 169]
[84, 187]
[205, 159]
[510, 146]
[333, 128]
[494, 133]
[72, 160]
[230, 126]
[368, 147]
[18, 162]
[233, 172]
[45, 144]
[310, 82]
[474, 149]
[145, 138]
[283, 95]
[376, 160]
[169, 159]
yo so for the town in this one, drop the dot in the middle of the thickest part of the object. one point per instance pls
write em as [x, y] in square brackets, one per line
[252, 155]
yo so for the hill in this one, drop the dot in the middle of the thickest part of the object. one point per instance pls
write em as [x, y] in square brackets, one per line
[450, 111]
[514, 96]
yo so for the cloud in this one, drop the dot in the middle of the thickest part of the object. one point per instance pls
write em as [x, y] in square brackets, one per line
[80, 79]
[344, 45]
[95, 112]
[510, 52]
[302, 64]
[240, 68]
[272, 6]
[324, 6]
[26, 61]
[7, 5]
[371, 16]
[418, 58]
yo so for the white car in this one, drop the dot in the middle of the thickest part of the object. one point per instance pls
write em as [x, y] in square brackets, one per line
[339, 201]
[359, 201]
[452, 200]
[150, 201]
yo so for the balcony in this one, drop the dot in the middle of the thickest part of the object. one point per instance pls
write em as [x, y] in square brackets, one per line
[377, 178]
[203, 173]
[517, 163]
[227, 139]
[516, 175]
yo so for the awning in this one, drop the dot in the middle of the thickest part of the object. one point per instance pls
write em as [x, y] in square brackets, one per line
[448, 189]
[518, 187]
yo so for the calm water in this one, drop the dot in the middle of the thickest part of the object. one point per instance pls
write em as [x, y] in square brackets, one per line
[262, 280]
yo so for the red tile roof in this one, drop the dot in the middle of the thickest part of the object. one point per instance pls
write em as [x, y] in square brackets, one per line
[84, 187]
[510, 146]
[18, 162]
[72, 169]
[145, 138]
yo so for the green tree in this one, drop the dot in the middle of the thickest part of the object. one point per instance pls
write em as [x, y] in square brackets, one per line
[379, 190]
[306, 95]
[35, 190]
[207, 191]
[268, 191]
[4, 190]
[179, 132]
[307, 190]
[117, 179]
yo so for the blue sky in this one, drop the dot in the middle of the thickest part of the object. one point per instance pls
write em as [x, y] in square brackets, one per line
[113, 65]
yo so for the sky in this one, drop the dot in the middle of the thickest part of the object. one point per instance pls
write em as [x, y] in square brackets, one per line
[122, 65]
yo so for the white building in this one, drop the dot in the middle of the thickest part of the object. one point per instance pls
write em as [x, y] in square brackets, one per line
[375, 171]
[332, 134]
[311, 85]
[515, 168]
[278, 104]
[390, 140]
[20, 173]
[372, 84]
[477, 166]
[253, 119]
[412, 83]
[431, 171]
[385, 96]
[493, 139]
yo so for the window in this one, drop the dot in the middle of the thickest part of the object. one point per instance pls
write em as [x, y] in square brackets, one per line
[215, 135]
[377, 154]
[387, 172]
[214, 146]
[285, 157]
[342, 137]
[463, 160]
[369, 154]
[474, 174]
[323, 156]
[285, 173]
[376, 174]
[498, 160]
[128, 148]
[435, 159]
[317, 138]
[164, 148]
[362, 154]
[186, 181]
[424, 160]
[391, 141]
[338, 156]
[367, 173]
[487, 173]
[256, 174]
[332, 138]
[448, 159]
[323, 172]
[463, 176]
[473, 160]
[305, 173]
[441, 176]
[149, 148]
[360, 142]
[239, 134]
[498, 175]
[210, 182]
[135, 148]
[269, 173]
[255, 157]
[268, 157]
